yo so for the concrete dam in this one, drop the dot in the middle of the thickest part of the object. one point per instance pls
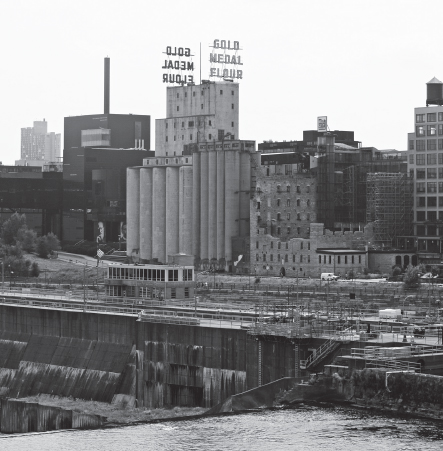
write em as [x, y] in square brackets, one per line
[115, 357]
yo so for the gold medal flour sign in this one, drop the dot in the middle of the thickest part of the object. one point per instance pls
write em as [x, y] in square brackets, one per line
[179, 66]
[225, 61]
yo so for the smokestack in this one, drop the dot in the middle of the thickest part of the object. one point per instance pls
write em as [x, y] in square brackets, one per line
[107, 75]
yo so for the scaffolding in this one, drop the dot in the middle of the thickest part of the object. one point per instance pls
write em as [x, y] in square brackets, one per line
[389, 206]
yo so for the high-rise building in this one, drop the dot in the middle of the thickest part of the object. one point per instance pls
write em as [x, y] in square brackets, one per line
[39, 145]
[425, 151]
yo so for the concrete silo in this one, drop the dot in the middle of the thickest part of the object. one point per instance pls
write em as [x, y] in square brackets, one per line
[212, 204]
[185, 210]
[196, 201]
[220, 205]
[172, 210]
[245, 186]
[132, 209]
[204, 197]
[146, 213]
[232, 207]
[159, 214]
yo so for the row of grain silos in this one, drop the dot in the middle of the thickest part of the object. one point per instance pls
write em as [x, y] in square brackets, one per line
[159, 211]
[221, 180]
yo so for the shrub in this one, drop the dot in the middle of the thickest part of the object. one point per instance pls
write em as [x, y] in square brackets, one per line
[35, 270]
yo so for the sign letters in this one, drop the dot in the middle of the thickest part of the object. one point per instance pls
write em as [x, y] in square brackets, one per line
[179, 59]
[223, 64]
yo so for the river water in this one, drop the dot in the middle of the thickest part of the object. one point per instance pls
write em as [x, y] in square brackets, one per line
[302, 428]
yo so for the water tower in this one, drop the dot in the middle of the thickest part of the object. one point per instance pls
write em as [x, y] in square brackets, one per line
[434, 92]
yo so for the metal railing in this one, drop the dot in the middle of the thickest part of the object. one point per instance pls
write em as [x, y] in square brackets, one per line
[398, 365]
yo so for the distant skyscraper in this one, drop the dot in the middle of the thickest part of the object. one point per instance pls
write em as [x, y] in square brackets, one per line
[38, 144]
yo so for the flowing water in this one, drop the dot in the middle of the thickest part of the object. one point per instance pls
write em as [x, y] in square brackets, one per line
[304, 428]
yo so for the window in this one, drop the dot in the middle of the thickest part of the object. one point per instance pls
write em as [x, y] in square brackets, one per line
[421, 201]
[432, 201]
[278, 202]
[440, 201]
[330, 259]
[440, 129]
[308, 202]
[432, 216]
[178, 108]
[178, 95]
[432, 117]
[440, 187]
[419, 130]
[298, 216]
[173, 275]
[440, 144]
[279, 245]
[289, 230]
[440, 116]
[359, 259]
[287, 245]
[221, 92]
[432, 187]
[411, 144]
[286, 258]
[166, 139]
[288, 202]
[256, 244]
[298, 188]
[432, 173]
[190, 123]
[278, 257]
[338, 259]
[183, 124]
[308, 217]
[319, 259]
[258, 205]
[278, 216]
[271, 257]
[432, 130]
[288, 216]
[352, 259]
[288, 188]
[193, 94]
[420, 187]
[440, 173]
[420, 118]
[309, 245]
[420, 145]
[421, 215]
[190, 137]
[411, 159]
[210, 136]
[257, 257]
[309, 259]
[201, 106]
[232, 106]
[278, 230]
[420, 159]
[432, 144]
[264, 257]
[298, 230]
[272, 245]
[298, 202]
[210, 123]
[308, 189]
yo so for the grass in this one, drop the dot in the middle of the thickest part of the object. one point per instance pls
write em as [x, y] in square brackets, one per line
[115, 413]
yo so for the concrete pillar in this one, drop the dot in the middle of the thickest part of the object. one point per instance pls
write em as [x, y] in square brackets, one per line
[196, 189]
[212, 205]
[220, 205]
[232, 207]
[204, 197]
[185, 210]
[132, 209]
[159, 214]
[172, 209]
[146, 213]
[245, 186]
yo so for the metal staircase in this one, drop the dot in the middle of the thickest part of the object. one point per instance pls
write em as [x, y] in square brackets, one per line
[324, 350]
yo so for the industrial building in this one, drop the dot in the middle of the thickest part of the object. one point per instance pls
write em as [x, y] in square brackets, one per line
[425, 150]
[193, 196]
[97, 150]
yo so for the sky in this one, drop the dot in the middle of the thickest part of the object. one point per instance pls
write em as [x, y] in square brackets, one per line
[363, 64]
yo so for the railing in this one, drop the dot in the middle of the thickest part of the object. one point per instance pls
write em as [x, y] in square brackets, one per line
[399, 365]
[325, 348]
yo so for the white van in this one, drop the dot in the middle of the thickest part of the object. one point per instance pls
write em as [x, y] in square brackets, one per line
[328, 276]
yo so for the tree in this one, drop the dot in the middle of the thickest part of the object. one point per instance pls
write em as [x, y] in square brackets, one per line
[396, 271]
[53, 242]
[35, 270]
[11, 227]
[412, 277]
[27, 238]
[42, 247]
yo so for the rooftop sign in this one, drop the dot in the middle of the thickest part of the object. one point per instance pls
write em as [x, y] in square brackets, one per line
[225, 61]
[179, 66]
[322, 123]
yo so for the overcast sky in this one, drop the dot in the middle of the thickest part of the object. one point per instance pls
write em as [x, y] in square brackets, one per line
[364, 64]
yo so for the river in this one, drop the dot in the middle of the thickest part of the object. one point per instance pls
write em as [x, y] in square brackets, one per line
[304, 428]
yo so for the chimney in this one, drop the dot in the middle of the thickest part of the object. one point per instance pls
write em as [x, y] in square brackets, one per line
[107, 74]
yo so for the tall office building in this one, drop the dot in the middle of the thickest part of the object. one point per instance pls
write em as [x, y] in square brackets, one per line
[39, 145]
[425, 149]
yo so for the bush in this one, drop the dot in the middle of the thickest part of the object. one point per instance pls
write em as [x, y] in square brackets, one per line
[396, 271]
[35, 270]
[411, 277]
[42, 247]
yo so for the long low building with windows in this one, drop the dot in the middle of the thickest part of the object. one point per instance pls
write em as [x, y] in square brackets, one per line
[150, 281]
